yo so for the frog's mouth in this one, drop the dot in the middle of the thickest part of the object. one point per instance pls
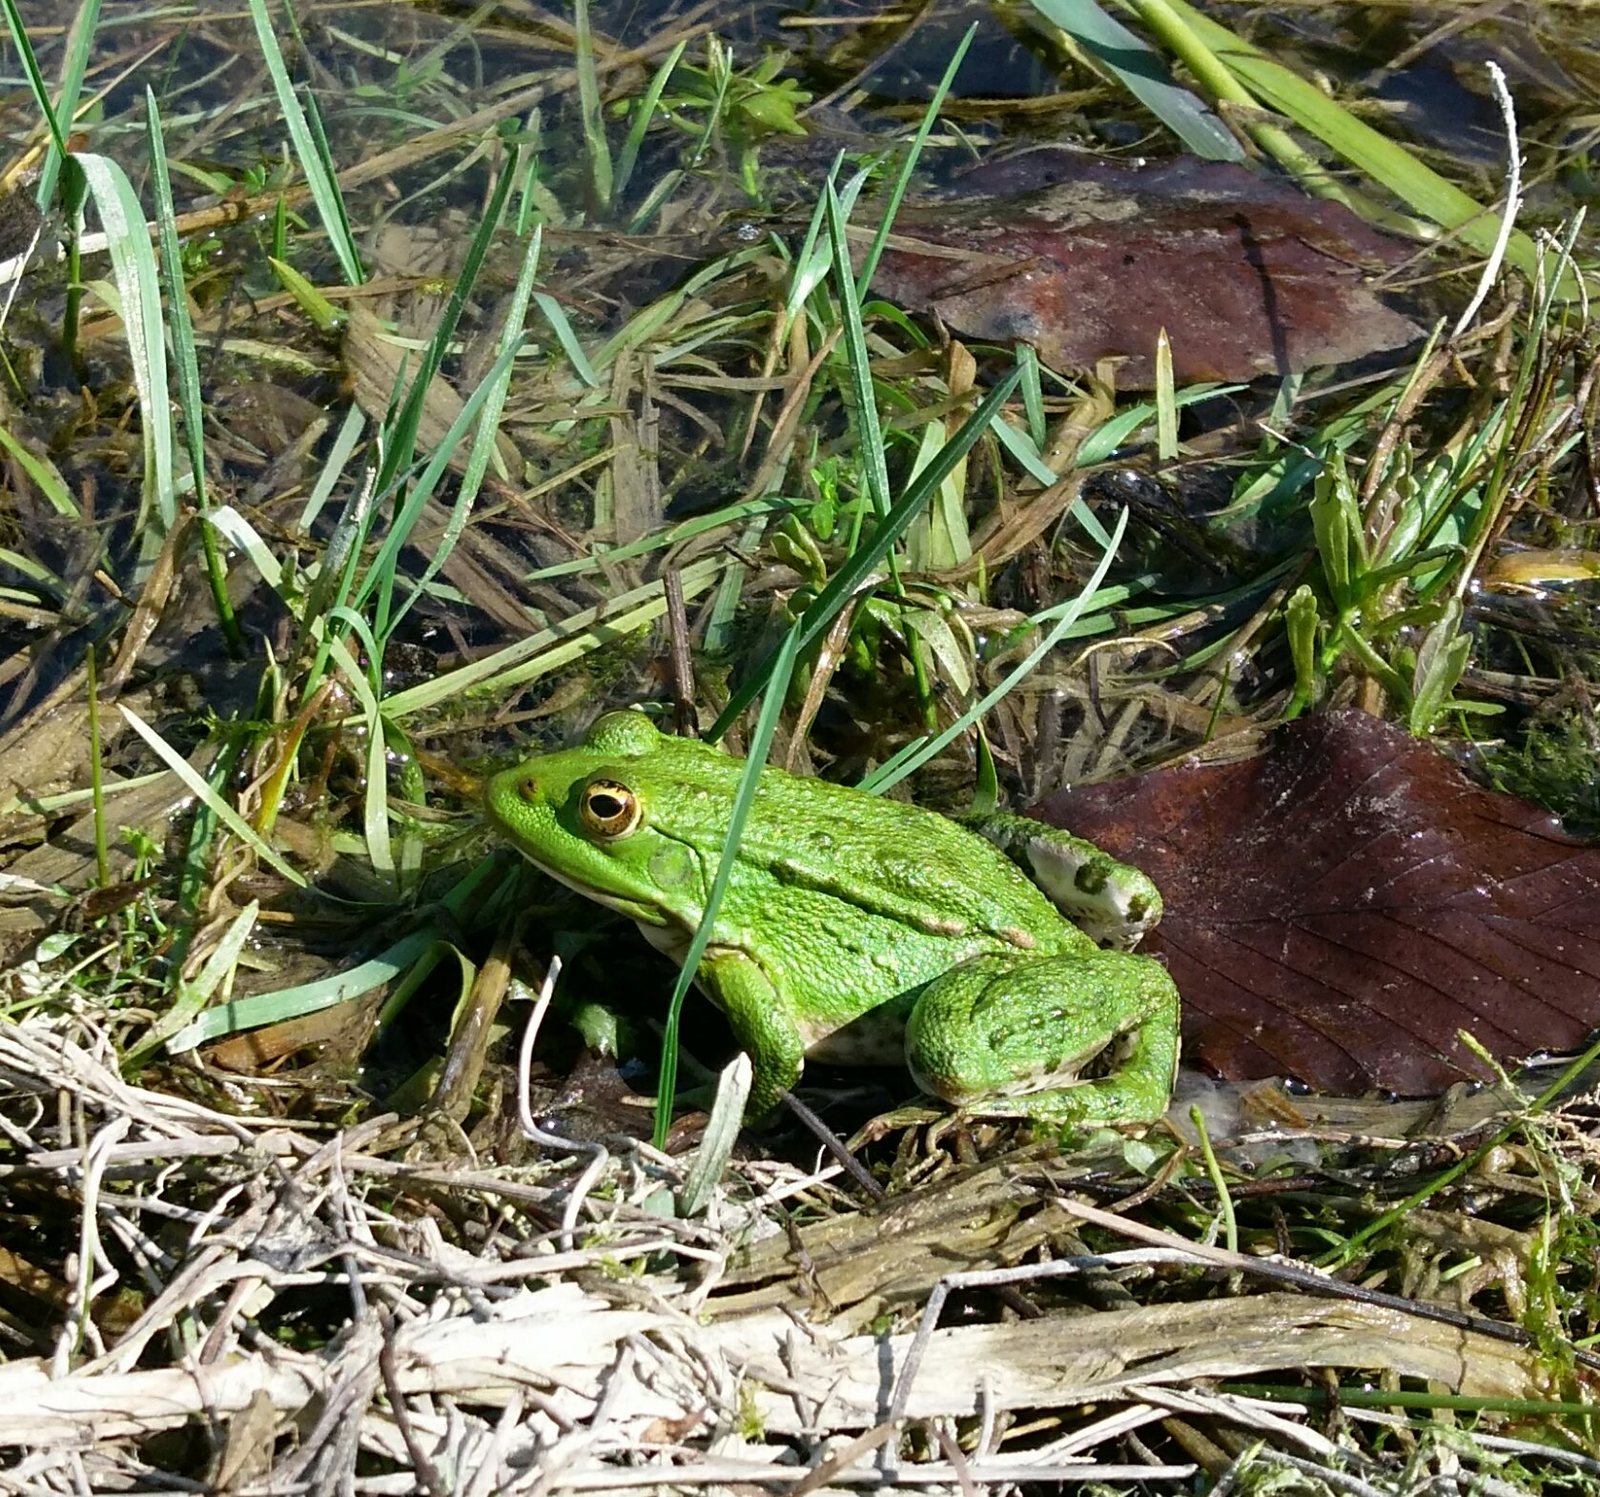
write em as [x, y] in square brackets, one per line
[642, 914]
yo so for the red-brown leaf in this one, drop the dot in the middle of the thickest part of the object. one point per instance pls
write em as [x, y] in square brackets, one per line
[1341, 905]
[1248, 276]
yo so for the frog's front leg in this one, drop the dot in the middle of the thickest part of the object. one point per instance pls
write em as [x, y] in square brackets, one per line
[1105, 899]
[1012, 1035]
[766, 1029]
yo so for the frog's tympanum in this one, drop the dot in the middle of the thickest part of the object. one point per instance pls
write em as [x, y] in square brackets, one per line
[860, 930]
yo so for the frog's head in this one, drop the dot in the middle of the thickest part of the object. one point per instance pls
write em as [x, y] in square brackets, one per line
[607, 818]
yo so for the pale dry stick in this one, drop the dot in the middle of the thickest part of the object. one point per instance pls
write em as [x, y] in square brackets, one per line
[845, 1458]
[216, 1265]
[911, 1478]
[953, 1454]
[58, 1063]
[16, 281]
[86, 1287]
[1251, 1413]
[1508, 219]
[120, 1157]
[576, 1442]
[987, 1418]
[1300, 1276]
[600, 1155]
[1112, 1427]
[491, 1473]
[991, 1278]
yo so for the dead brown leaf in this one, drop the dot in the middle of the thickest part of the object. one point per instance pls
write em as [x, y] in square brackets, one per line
[1088, 260]
[1339, 907]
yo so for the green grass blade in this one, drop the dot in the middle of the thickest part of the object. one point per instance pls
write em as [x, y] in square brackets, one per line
[41, 99]
[744, 797]
[307, 998]
[382, 574]
[181, 328]
[863, 398]
[547, 649]
[497, 385]
[402, 441]
[567, 337]
[645, 112]
[45, 474]
[219, 808]
[844, 583]
[1383, 160]
[333, 471]
[133, 263]
[869, 266]
[80, 44]
[914, 756]
[310, 150]
[595, 145]
[1141, 71]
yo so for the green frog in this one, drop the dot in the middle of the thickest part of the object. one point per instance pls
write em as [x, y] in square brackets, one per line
[860, 930]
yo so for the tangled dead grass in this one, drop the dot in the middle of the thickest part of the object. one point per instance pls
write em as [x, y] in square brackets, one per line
[251, 1308]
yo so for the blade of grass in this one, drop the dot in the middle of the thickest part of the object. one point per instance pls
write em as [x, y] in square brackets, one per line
[44, 474]
[345, 442]
[1140, 70]
[643, 115]
[382, 575]
[918, 753]
[194, 994]
[307, 998]
[402, 436]
[41, 96]
[311, 997]
[684, 530]
[133, 263]
[863, 398]
[552, 647]
[497, 385]
[1166, 401]
[744, 797]
[844, 583]
[567, 338]
[1383, 160]
[310, 150]
[375, 792]
[183, 351]
[220, 808]
[102, 854]
[596, 148]
[80, 43]
[869, 266]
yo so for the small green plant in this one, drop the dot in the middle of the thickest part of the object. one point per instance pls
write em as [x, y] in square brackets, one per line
[720, 104]
[1364, 619]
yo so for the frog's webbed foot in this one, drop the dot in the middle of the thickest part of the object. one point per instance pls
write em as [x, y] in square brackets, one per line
[1014, 1036]
[1108, 900]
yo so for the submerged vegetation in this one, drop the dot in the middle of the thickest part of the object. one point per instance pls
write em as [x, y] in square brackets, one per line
[387, 388]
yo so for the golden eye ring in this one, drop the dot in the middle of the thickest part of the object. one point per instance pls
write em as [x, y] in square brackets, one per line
[608, 810]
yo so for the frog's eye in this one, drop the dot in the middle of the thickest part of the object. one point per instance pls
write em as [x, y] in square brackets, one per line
[609, 810]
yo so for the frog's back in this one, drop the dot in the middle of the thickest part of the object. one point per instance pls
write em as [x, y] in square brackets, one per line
[880, 856]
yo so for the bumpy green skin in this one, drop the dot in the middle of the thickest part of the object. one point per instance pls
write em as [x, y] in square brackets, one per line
[863, 930]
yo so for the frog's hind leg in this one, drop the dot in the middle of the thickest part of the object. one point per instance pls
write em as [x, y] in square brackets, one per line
[1013, 1036]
